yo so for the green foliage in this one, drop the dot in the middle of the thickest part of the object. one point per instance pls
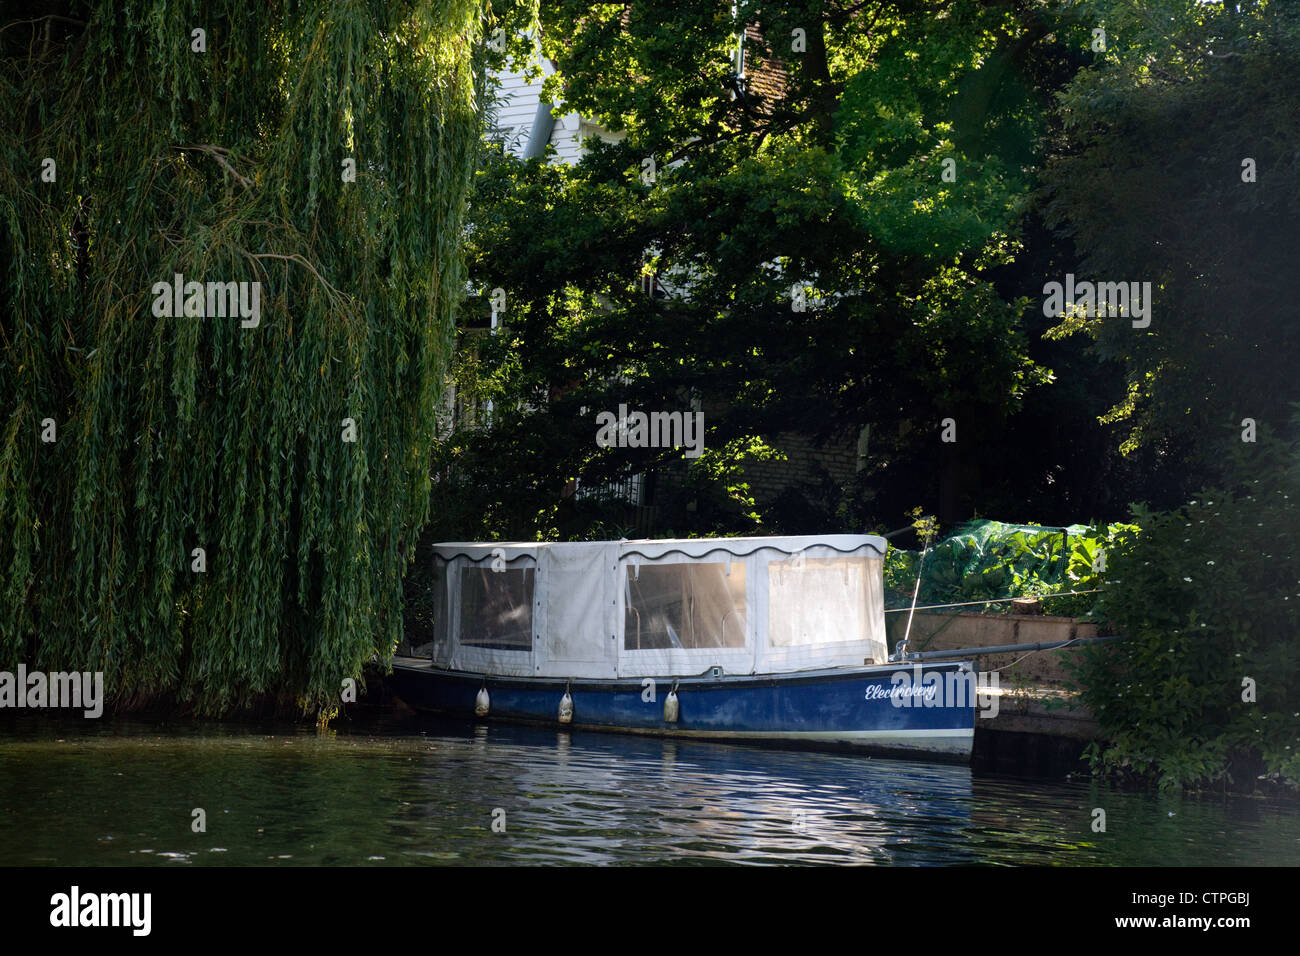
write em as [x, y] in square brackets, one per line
[1205, 597]
[987, 560]
[925, 526]
[759, 188]
[177, 433]
[1148, 190]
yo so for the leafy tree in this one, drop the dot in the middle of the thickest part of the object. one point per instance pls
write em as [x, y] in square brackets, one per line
[1207, 212]
[209, 140]
[828, 176]
[1178, 167]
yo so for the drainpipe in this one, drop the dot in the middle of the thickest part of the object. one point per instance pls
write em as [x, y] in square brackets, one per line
[543, 124]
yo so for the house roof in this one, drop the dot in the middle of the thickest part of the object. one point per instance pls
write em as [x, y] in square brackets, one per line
[765, 77]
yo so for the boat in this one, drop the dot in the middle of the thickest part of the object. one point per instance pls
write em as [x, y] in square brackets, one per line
[771, 640]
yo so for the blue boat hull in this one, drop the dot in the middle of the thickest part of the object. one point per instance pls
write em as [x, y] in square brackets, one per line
[842, 708]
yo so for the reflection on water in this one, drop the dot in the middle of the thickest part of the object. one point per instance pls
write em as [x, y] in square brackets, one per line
[383, 792]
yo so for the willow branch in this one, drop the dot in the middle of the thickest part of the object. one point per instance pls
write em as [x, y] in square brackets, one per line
[219, 154]
[302, 262]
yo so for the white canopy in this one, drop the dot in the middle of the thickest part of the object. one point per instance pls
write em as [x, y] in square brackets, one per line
[659, 608]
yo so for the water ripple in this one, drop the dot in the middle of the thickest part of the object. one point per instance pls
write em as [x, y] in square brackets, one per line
[424, 792]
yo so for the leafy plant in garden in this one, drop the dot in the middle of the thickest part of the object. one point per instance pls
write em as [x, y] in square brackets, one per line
[987, 560]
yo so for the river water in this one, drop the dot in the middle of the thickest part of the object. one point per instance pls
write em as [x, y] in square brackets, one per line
[383, 791]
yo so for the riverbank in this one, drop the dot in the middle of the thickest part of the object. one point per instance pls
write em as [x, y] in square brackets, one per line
[1041, 727]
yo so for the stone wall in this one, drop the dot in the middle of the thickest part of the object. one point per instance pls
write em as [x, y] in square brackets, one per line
[839, 458]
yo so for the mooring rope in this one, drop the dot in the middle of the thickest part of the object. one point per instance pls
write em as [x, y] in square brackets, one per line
[1036, 597]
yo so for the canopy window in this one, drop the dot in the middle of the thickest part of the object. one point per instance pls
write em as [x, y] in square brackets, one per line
[817, 601]
[684, 606]
[496, 608]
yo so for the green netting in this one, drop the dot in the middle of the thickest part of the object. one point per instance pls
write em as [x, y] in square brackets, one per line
[985, 560]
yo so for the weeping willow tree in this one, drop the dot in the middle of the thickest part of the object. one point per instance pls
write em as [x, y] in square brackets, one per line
[217, 510]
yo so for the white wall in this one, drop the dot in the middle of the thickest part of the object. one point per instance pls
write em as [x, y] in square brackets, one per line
[517, 108]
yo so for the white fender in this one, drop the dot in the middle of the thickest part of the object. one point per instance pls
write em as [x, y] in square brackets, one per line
[482, 702]
[671, 708]
[566, 708]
